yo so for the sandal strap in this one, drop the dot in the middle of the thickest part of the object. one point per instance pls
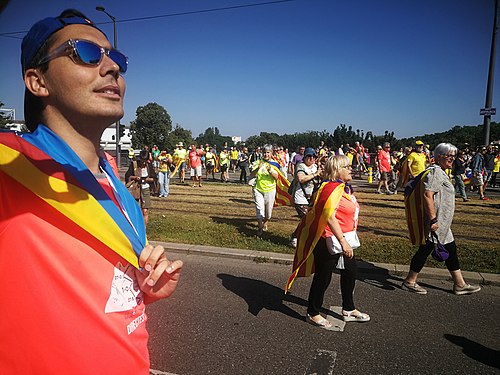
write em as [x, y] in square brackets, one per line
[355, 314]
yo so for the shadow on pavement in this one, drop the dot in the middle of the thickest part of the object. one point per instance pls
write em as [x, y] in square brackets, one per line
[376, 276]
[476, 351]
[261, 295]
[380, 277]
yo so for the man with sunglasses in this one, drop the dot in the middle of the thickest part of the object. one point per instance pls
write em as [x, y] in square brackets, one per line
[76, 270]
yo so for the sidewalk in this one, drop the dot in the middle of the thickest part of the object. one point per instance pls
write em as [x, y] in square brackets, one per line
[395, 270]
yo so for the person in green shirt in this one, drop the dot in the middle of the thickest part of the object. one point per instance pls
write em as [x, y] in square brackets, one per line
[210, 163]
[180, 155]
[224, 165]
[264, 190]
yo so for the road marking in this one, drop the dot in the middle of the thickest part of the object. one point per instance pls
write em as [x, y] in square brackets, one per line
[322, 363]
[158, 372]
[338, 323]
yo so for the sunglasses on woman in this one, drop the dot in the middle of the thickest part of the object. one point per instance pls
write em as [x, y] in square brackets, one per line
[87, 53]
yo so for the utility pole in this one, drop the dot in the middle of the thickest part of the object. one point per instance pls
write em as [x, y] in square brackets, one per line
[115, 46]
[491, 73]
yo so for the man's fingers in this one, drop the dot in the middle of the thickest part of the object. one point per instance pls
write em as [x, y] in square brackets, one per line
[145, 255]
[163, 266]
[150, 256]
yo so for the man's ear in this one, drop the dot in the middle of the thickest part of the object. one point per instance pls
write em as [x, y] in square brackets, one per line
[35, 82]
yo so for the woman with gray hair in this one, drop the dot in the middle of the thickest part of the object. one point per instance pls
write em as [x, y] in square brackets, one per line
[439, 207]
[264, 190]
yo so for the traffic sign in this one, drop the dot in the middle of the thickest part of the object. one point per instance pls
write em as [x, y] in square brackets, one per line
[487, 111]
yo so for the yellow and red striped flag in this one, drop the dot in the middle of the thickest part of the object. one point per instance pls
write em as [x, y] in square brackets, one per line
[414, 208]
[283, 198]
[54, 178]
[311, 228]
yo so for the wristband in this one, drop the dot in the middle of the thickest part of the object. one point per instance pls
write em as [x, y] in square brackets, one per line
[434, 221]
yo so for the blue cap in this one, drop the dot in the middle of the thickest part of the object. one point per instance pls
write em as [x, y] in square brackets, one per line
[42, 30]
[310, 152]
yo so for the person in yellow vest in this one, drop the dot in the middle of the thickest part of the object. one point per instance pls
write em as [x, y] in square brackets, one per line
[180, 155]
[234, 158]
[131, 155]
[417, 159]
[165, 169]
[496, 169]
[210, 163]
[264, 191]
[224, 165]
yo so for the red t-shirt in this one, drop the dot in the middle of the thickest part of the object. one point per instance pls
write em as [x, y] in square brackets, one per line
[194, 159]
[68, 306]
[384, 160]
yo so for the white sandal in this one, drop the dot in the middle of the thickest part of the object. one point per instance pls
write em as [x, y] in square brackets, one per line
[322, 323]
[355, 316]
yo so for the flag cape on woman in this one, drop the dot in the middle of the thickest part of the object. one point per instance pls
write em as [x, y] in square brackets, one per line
[414, 208]
[45, 166]
[283, 198]
[177, 166]
[312, 227]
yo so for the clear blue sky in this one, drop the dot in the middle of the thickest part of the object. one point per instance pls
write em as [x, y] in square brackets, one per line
[407, 66]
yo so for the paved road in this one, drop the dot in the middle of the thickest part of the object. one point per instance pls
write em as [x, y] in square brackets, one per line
[228, 317]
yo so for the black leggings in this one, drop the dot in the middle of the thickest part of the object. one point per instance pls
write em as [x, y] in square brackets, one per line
[423, 252]
[243, 173]
[324, 264]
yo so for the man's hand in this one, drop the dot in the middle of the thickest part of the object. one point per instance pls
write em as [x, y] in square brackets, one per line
[159, 276]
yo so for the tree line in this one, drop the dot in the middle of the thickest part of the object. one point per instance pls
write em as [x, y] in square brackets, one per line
[153, 125]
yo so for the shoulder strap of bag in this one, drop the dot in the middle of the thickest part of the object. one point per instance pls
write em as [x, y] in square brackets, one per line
[307, 196]
[137, 170]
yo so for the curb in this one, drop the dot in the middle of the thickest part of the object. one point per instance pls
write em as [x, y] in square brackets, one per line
[395, 270]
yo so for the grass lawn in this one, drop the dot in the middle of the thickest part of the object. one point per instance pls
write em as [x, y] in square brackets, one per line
[223, 215]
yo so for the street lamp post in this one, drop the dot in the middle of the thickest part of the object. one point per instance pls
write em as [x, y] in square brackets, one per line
[491, 72]
[115, 45]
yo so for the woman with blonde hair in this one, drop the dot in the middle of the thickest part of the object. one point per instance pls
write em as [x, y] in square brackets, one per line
[328, 233]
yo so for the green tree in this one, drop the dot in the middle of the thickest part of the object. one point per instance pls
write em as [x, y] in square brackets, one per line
[179, 134]
[152, 125]
[213, 137]
[457, 135]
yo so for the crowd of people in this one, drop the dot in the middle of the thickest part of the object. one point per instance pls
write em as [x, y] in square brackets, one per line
[472, 171]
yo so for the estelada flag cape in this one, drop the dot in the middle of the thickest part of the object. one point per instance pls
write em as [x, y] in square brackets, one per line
[282, 198]
[414, 208]
[174, 172]
[51, 171]
[311, 228]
